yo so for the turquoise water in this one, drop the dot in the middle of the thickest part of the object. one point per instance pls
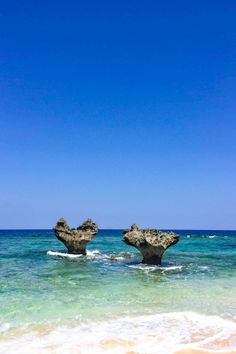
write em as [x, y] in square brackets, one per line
[43, 293]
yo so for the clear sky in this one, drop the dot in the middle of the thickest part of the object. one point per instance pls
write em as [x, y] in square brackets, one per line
[122, 111]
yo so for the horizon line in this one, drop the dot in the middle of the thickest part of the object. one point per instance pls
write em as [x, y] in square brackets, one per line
[117, 229]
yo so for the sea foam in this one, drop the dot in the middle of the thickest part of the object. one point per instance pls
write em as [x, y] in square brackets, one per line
[95, 254]
[150, 334]
[64, 255]
[150, 268]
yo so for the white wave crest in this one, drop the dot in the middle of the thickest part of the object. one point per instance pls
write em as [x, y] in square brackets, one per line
[150, 268]
[95, 254]
[90, 254]
[160, 333]
[64, 255]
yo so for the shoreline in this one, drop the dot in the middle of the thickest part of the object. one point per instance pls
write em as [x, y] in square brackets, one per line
[130, 335]
[109, 303]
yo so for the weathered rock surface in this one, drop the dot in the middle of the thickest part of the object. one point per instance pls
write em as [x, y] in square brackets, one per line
[150, 242]
[75, 239]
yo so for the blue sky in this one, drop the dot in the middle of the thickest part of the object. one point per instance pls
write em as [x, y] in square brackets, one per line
[123, 111]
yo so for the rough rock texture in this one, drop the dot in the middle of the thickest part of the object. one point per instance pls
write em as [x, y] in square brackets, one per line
[75, 239]
[151, 243]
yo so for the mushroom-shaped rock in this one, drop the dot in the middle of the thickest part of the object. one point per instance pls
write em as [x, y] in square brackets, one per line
[75, 239]
[151, 243]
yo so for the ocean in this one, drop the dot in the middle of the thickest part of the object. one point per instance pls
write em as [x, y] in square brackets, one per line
[108, 302]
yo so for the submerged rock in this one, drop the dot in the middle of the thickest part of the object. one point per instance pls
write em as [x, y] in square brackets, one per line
[151, 243]
[75, 239]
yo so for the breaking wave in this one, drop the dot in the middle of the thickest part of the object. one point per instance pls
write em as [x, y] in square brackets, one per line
[95, 254]
[150, 268]
[64, 255]
[160, 333]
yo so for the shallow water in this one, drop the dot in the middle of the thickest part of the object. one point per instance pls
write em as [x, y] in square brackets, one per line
[109, 302]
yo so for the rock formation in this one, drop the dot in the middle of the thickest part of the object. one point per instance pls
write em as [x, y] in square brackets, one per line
[75, 239]
[151, 243]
